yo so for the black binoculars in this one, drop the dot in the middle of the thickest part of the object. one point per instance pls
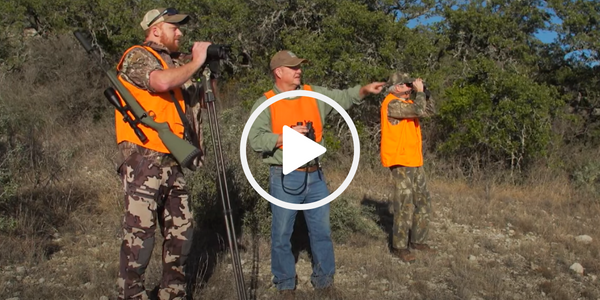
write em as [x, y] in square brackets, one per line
[425, 90]
[217, 52]
[311, 130]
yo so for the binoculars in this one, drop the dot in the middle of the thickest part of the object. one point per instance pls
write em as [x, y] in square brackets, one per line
[425, 90]
[217, 52]
[311, 130]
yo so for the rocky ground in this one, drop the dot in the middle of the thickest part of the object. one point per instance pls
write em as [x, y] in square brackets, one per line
[478, 257]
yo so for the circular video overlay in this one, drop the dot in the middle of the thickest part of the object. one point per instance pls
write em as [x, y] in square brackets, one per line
[293, 94]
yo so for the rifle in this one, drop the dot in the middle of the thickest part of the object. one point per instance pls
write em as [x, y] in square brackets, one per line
[133, 113]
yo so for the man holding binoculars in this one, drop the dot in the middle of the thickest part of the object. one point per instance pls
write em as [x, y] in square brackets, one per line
[306, 184]
[153, 182]
[402, 152]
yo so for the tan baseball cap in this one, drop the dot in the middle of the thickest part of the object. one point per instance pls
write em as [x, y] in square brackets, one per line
[285, 58]
[167, 15]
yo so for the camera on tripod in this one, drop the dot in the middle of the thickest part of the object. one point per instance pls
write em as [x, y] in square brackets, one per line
[311, 130]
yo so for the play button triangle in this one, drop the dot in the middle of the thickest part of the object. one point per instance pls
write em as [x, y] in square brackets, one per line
[298, 150]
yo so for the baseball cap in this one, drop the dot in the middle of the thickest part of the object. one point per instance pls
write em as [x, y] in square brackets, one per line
[285, 58]
[167, 15]
[400, 78]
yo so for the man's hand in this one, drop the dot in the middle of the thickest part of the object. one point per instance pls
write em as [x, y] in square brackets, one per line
[371, 88]
[418, 85]
[299, 128]
[199, 52]
[168, 79]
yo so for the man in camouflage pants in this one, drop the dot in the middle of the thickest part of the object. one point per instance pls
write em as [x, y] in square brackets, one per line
[401, 151]
[155, 189]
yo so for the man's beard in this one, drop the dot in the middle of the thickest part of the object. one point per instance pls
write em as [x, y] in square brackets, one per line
[169, 44]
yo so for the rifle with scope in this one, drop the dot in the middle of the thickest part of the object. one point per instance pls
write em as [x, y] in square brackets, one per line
[135, 115]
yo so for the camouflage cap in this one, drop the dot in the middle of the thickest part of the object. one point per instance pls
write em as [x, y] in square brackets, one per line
[285, 58]
[167, 15]
[400, 78]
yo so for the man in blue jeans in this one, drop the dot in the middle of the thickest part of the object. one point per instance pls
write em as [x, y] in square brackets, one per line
[306, 184]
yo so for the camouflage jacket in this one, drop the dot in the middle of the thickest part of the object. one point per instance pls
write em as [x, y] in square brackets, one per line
[398, 110]
[136, 68]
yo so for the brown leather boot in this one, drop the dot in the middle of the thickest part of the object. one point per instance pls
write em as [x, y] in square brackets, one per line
[404, 255]
[422, 247]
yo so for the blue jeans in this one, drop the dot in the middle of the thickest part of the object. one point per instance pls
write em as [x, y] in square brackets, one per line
[283, 265]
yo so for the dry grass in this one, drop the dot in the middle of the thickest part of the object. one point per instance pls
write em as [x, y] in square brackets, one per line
[494, 240]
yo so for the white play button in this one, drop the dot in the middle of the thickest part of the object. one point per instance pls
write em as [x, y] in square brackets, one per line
[298, 150]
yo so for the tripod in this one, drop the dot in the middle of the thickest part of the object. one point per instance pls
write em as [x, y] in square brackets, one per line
[210, 99]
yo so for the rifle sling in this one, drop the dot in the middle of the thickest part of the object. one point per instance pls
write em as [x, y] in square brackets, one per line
[188, 130]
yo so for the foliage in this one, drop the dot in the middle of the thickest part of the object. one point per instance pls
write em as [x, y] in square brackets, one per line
[347, 219]
[587, 178]
[506, 119]
[505, 98]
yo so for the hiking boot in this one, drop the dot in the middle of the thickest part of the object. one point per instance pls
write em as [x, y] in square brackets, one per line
[404, 255]
[422, 247]
[287, 294]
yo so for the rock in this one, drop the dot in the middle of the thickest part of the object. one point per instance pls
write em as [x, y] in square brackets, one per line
[103, 298]
[14, 298]
[594, 278]
[21, 270]
[584, 239]
[577, 268]
[42, 280]
[472, 258]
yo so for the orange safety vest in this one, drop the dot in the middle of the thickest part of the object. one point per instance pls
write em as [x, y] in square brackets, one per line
[401, 144]
[159, 106]
[289, 112]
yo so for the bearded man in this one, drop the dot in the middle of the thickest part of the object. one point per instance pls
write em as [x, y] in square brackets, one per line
[153, 183]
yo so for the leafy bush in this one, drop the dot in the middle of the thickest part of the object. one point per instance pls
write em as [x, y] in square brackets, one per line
[347, 219]
[587, 178]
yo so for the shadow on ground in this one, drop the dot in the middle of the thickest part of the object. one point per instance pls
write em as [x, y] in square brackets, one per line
[385, 219]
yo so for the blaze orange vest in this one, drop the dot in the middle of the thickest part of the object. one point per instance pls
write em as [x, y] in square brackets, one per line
[289, 112]
[401, 144]
[160, 107]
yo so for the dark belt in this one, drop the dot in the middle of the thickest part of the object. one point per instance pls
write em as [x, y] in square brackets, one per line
[308, 169]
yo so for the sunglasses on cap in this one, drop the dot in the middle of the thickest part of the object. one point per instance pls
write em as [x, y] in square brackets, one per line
[169, 11]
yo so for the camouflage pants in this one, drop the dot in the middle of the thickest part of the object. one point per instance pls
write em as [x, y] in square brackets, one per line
[154, 193]
[411, 206]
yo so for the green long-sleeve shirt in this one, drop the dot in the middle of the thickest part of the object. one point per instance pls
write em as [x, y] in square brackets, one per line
[261, 137]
